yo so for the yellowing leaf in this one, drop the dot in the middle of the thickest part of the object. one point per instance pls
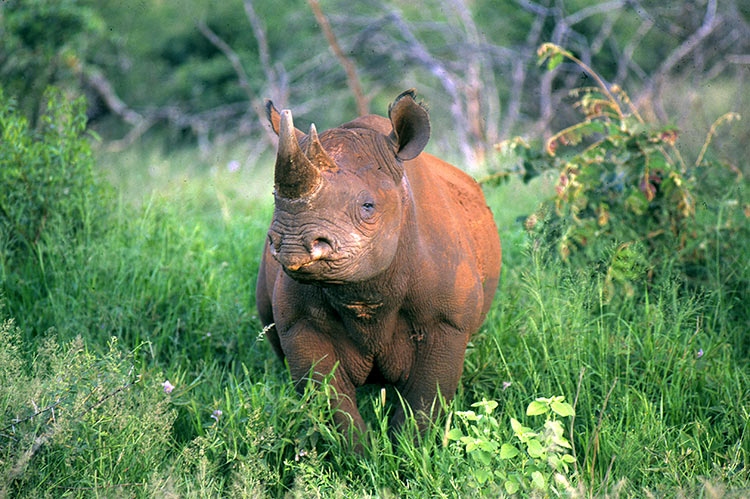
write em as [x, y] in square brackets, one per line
[537, 479]
[536, 408]
[564, 409]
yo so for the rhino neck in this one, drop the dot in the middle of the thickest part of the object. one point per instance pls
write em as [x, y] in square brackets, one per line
[373, 299]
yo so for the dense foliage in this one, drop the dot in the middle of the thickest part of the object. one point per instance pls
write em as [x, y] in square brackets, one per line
[473, 60]
[626, 201]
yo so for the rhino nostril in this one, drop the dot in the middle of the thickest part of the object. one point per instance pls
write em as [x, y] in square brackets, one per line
[320, 248]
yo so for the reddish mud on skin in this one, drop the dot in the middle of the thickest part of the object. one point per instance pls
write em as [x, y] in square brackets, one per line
[380, 257]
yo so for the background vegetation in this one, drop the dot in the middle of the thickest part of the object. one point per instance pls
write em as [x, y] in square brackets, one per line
[131, 359]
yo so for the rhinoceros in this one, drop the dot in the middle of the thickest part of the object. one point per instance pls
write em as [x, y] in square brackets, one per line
[381, 260]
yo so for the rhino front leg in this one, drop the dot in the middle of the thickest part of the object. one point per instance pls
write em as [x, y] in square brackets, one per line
[438, 366]
[311, 354]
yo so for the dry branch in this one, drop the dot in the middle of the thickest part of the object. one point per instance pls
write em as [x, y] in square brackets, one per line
[244, 82]
[348, 65]
[275, 76]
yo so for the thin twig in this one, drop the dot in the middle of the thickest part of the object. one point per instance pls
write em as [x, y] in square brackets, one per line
[348, 65]
[244, 82]
[606, 475]
[721, 119]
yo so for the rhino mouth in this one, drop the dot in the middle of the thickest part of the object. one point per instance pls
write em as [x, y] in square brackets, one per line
[304, 266]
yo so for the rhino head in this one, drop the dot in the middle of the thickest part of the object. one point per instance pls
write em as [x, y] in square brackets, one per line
[339, 198]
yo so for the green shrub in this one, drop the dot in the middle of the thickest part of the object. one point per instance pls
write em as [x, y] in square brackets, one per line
[47, 178]
[43, 41]
[626, 199]
[51, 203]
[543, 452]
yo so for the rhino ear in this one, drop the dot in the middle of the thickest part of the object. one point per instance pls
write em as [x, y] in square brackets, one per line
[274, 118]
[411, 125]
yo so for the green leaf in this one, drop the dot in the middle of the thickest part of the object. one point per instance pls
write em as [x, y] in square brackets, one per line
[568, 458]
[538, 480]
[470, 443]
[483, 457]
[488, 445]
[511, 487]
[487, 405]
[480, 475]
[564, 409]
[536, 408]
[455, 434]
[517, 427]
[535, 449]
[467, 415]
[508, 451]
[554, 61]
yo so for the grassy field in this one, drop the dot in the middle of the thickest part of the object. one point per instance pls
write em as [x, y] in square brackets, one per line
[164, 291]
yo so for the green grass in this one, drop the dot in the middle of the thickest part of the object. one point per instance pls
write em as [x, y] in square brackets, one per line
[172, 278]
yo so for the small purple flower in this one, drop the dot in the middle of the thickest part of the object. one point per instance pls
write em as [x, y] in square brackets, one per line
[168, 387]
[700, 353]
[506, 384]
[233, 165]
[216, 414]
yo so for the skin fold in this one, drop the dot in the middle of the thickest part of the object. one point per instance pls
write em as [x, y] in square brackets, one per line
[381, 260]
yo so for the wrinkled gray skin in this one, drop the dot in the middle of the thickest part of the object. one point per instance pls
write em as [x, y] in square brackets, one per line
[380, 258]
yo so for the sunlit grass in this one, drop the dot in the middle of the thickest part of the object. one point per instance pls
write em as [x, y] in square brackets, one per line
[661, 380]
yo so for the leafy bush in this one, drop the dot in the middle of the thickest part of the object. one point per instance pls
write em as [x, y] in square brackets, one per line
[624, 189]
[50, 198]
[543, 452]
[42, 42]
[47, 177]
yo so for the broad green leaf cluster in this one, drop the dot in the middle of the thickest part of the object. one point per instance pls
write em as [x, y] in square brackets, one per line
[625, 199]
[544, 451]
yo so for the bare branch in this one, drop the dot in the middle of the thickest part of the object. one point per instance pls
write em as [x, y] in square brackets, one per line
[260, 36]
[534, 8]
[244, 82]
[230, 54]
[653, 87]
[274, 75]
[592, 10]
[449, 82]
[627, 54]
[739, 58]
[106, 91]
[688, 45]
[348, 65]
[519, 75]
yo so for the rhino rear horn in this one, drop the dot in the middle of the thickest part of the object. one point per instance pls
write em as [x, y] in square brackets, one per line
[295, 176]
[411, 125]
[315, 151]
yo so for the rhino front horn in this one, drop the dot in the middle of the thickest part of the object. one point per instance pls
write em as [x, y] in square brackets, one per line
[295, 176]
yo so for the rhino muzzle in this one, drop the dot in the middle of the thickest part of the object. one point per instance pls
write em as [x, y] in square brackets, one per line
[294, 256]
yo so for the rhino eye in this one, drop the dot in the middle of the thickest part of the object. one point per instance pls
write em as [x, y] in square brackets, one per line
[367, 209]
